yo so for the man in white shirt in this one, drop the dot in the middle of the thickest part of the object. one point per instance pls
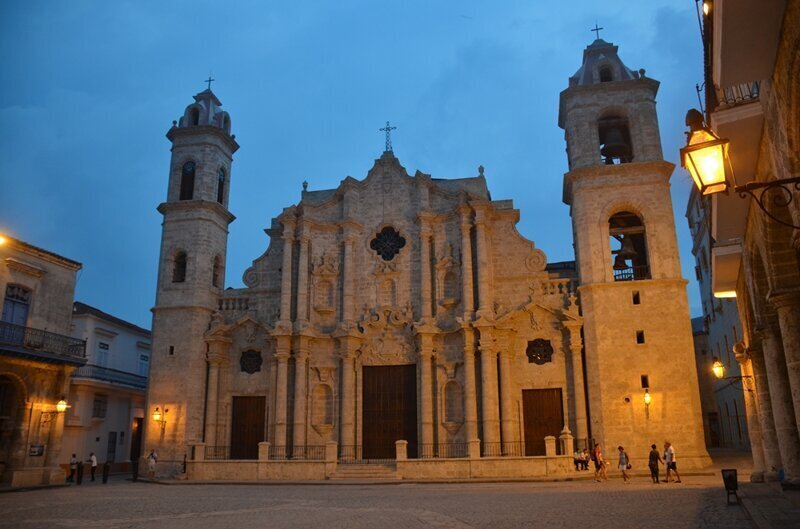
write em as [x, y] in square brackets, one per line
[670, 461]
[93, 461]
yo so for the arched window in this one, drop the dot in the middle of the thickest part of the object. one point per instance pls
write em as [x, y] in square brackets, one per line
[628, 247]
[194, 116]
[606, 75]
[221, 185]
[325, 294]
[226, 123]
[216, 272]
[16, 304]
[187, 181]
[322, 406]
[179, 268]
[451, 285]
[453, 402]
[615, 140]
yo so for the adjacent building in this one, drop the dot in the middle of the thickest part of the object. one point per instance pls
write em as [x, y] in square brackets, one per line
[37, 359]
[107, 394]
[402, 317]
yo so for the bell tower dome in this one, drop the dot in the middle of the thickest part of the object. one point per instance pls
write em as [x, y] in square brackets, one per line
[637, 331]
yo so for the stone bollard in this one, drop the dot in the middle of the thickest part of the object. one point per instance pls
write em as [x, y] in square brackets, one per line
[401, 450]
[331, 452]
[199, 452]
[550, 446]
[474, 449]
[566, 441]
[263, 451]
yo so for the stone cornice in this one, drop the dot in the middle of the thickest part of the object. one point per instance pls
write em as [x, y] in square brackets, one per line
[41, 253]
[24, 268]
[204, 130]
[190, 205]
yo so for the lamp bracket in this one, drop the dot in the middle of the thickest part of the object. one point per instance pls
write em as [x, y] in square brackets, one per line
[758, 190]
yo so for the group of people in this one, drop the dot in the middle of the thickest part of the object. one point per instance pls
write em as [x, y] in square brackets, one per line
[581, 460]
[73, 466]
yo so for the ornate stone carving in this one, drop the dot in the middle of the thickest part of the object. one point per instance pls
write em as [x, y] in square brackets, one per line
[250, 277]
[328, 266]
[387, 336]
[251, 361]
[324, 373]
[536, 261]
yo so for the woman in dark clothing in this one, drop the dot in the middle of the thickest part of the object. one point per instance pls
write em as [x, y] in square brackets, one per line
[653, 461]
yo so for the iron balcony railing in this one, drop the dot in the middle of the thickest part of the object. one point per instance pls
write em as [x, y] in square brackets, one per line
[442, 450]
[632, 273]
[510, 449]
[113, 376]
[38, 340]
[217, 452]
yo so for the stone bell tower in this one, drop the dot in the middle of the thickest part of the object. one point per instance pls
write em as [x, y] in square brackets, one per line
[191, 274]
[637, 330]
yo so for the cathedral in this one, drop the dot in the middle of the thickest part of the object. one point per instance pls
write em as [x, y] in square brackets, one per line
[403, 319]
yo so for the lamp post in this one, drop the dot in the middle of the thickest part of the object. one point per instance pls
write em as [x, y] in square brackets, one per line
[705, 156]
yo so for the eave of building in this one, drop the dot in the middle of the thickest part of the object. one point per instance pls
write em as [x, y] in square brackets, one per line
[41, 253]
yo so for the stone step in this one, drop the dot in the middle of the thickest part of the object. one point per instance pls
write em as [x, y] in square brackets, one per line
[364, 472]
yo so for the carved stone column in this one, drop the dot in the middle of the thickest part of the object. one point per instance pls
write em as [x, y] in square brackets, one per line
[347, 423]
[281, 389]
[425, 265]
[782, 408]
[508, 425]
[300, 397]
[466, 263]
[484, 263]
[426, 388]
[787, 305]
[470, 390]
[286, 268]
[217, 357]
[348, 276]
[489, 404]
[751, 412]
[579, 400]
[769, 439]
[302, 279]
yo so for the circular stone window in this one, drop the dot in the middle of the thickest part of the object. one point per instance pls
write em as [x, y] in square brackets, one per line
[387, 243]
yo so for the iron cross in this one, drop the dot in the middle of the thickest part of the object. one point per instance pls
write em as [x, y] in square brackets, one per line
[388, 131]
[210, 79]
[596, 30]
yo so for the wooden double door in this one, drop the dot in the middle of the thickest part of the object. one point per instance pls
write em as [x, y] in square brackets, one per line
[248, 426]
[543, 412]
[389, 410]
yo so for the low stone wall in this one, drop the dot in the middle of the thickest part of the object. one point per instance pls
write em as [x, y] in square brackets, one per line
[485, 468]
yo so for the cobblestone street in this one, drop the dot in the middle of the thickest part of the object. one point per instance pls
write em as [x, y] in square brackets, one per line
[699, 502]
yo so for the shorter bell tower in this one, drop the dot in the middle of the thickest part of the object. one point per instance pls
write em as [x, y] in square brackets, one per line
[191, 274]
[641, 375]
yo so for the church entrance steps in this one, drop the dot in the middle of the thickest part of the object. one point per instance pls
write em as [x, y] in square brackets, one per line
[365, 471]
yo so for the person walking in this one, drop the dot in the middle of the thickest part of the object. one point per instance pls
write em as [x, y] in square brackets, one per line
[624, 464]
[670, 461]
[93, 460]
[599, 464]
[652, 461]
[73, 466]
[152, 459]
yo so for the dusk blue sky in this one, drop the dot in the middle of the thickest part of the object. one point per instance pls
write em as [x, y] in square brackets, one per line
[88, 90]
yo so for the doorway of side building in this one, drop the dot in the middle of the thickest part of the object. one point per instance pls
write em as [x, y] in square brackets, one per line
[136, 439]
[247, 426]
[543, 413]
[389, 410]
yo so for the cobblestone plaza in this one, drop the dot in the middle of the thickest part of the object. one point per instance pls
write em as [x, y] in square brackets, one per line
[698, 502]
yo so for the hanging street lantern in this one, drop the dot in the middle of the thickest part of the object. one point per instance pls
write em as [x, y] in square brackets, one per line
[705, 155]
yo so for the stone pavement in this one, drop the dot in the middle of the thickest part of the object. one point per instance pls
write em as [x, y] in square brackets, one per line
[699, 502]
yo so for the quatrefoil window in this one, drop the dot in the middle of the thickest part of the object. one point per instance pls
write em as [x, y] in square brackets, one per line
[387, 243]
[539, 351]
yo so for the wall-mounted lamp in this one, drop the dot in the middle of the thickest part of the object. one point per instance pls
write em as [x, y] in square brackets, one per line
[718, 368]
[705, 156]
[61, 405]
[160, 417]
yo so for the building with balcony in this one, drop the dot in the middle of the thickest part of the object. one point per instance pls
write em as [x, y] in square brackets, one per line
[722, 399]
[107, 394]
[752, 82]
[37, 359]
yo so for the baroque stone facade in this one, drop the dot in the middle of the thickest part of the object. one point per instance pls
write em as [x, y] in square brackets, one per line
[400, 270]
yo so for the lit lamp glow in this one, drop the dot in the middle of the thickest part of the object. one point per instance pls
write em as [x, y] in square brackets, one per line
[161, 417]
[157, 414]
[647, 398]
[704, 155]
[61, 405]
[718, 368]
[706, 8]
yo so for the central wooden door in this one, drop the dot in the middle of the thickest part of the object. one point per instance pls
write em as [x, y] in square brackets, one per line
[543, 414]
[247, 426]
[389, 410]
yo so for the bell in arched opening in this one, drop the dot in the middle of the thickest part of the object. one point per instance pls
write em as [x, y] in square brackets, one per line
[626, 252]
[615, 146]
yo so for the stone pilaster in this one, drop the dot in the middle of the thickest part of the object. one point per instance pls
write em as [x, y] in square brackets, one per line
[508, 426]
[425, 265]
[769, 439]
[217, 358]
[787, 305]
[467, 298]
[470, 388]
[283, 349]
[751, 412]
[347, 423]
[579, 399]
[490, 422]
[782, 408]
[485, 307]
[426, 388]
[302, 279]
[349, 274]
[286, 268]
[300, 396]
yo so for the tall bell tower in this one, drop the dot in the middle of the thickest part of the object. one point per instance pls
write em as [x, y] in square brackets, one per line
[191, 274]
[641, 376]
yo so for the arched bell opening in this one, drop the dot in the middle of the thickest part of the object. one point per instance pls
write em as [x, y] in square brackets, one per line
[615, 140]
[628, 247]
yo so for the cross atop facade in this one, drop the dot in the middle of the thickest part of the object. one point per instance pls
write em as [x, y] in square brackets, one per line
[388, 130]
[209, 80]
[596, 30]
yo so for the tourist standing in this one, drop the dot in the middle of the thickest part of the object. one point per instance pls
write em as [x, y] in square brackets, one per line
[624, 464]
[652, 461]
[73, 466]
[152, 459]
[599, 464]
[93, 461]
[670, 461]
